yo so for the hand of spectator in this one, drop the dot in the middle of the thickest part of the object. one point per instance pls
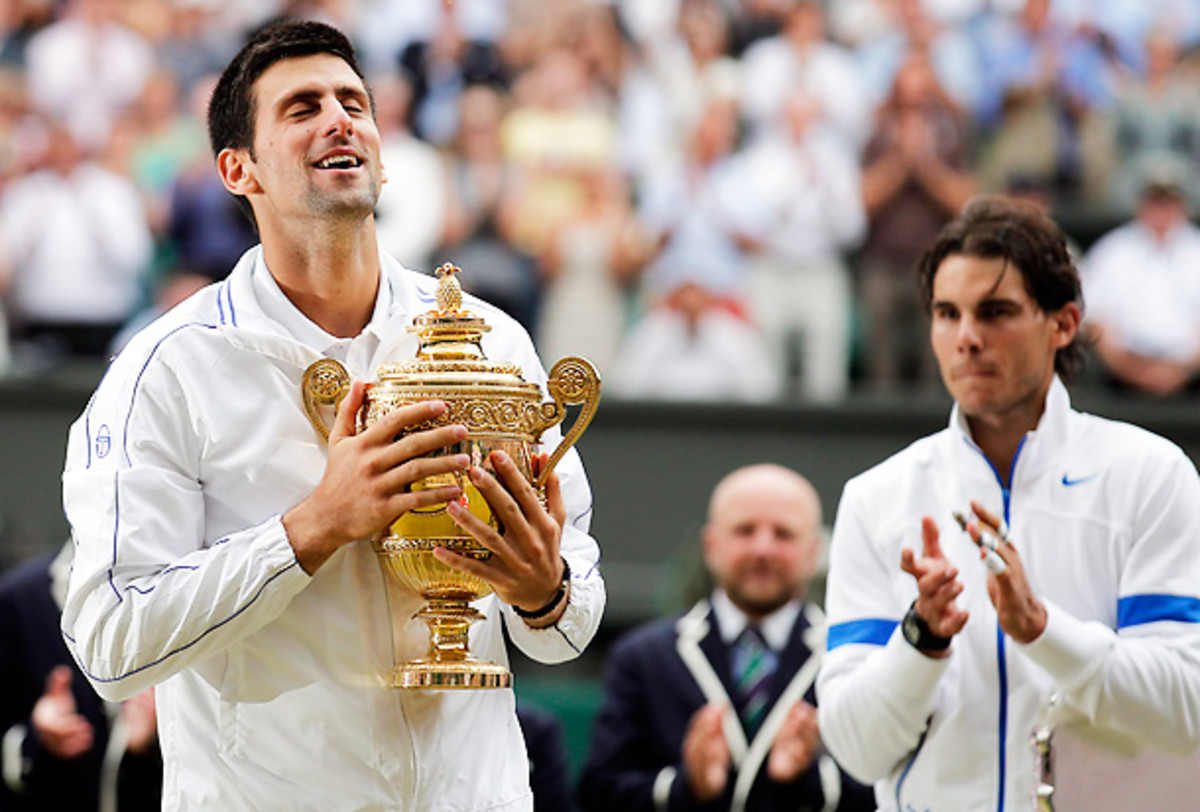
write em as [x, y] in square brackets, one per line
[692, 301]
[937, 584]
[525, 567]
[1155, 376]
[796, 745]
[57, 725]
[1021, 615]
[706, 753]
[1162, 378]
[913, 140]
[141, 722]
[367, 478]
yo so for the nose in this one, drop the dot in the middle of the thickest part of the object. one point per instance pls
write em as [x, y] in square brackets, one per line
[340, 122]
[762, 541]
[969, 335]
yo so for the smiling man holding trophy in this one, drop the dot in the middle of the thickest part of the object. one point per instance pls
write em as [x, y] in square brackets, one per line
[231, 555]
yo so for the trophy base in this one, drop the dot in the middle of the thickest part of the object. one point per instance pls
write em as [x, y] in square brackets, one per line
[437, 676]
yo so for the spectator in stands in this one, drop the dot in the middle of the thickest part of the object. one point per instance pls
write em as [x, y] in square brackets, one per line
[164, 137]
[805, 180]
[387, 29]
[410, 215]
[801, 58]
[668, 90]
[952, 55]
[196, 44]
[1142, 285]
[586, 268]
[444, 56]
[695, 341]
[716, 709]
[914, 180]
[206, 231]
[1045, 83]
[481, 214]
[1155, 114]
[64, 747]
[19, 21]
[86, 67]
[77, 243]
[754, 20]
[559, 129]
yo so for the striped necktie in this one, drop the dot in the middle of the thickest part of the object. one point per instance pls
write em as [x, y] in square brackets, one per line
[753, 665]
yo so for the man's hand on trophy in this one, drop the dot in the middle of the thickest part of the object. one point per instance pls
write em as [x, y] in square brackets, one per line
[525, 568]
[367, 478]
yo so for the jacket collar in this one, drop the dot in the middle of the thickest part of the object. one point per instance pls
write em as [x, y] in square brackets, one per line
[1041, 445]
[776, 627]
[246, 323]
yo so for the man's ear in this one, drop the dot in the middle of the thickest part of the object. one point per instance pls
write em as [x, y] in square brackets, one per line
[237, 171]
[708, 542]
[1066, 324]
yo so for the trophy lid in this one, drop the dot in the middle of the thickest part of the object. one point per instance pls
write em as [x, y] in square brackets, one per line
[450, 351]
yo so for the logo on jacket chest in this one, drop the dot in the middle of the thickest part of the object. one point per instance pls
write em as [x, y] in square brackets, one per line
[103, 441]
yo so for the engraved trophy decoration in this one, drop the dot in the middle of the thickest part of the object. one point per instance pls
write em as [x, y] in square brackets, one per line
[501, 412]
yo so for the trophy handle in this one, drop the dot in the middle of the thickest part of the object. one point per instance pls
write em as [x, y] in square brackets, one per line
[573, 380]
[325, 383]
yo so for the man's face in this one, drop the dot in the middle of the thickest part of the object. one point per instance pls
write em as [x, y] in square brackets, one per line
[762, 541]
[316, 146]
[995, 347]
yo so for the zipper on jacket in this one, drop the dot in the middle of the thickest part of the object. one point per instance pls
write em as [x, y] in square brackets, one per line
[1001, 650]
[912, 760]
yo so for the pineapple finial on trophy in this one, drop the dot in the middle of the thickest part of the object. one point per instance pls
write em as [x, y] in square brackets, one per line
[449, 291]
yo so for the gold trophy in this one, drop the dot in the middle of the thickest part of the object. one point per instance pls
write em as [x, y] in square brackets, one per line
[501, 412]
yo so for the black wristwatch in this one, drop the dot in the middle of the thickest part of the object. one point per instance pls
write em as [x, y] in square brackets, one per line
[563, 586]
[918, 634]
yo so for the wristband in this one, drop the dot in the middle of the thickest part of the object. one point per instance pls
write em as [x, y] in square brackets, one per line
[554, 601]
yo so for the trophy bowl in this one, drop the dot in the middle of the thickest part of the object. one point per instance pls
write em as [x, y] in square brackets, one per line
[502, 412]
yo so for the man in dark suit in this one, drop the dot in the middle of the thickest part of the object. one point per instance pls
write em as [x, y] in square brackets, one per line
[64, 748]
[714, 710]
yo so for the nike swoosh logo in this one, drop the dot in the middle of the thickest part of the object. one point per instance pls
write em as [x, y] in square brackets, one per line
[1066, 480]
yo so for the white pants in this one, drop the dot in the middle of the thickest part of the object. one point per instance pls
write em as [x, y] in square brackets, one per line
[811, 302]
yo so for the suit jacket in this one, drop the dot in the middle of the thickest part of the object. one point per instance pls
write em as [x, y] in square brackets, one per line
[549, 772]
[657, 677]
[31, 646]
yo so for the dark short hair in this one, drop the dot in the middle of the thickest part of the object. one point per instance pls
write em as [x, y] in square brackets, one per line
[231, 109]
[1022, 233]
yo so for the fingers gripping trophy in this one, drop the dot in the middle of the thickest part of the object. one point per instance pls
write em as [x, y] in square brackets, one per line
[502, 412]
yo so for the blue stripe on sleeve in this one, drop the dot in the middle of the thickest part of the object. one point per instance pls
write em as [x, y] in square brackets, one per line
[871, 631]
[1134, 610]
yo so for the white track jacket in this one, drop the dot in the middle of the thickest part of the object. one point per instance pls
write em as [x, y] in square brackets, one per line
[273, 685]
[1106, 518]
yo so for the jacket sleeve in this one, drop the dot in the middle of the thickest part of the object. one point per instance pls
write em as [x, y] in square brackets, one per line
[876, 691]
[149, 595]
[1143, 679]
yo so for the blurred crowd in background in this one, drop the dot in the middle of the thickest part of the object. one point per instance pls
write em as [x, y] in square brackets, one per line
[713, 200]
